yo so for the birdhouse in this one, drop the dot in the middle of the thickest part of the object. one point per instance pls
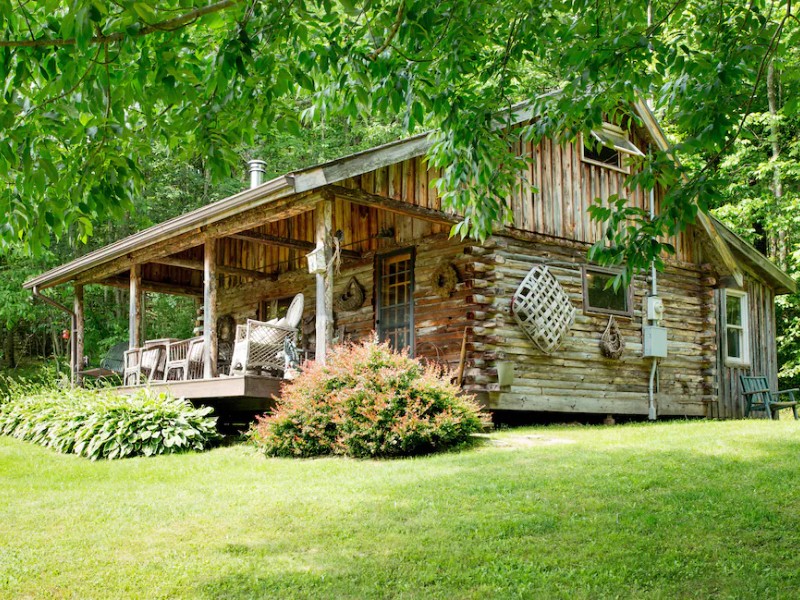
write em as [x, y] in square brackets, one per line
[316, 261]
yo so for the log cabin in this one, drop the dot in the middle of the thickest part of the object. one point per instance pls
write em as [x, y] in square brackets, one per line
[682, 336]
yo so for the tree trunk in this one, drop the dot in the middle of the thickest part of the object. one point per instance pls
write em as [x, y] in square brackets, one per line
[777, 184]
[11, 355]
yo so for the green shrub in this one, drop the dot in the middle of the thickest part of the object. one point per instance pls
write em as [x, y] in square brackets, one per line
[368, 401]
[101, 424]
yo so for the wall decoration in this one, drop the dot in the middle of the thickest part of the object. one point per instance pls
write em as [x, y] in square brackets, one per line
[444, 280]
[611, 343]
[543, 309]
[351, 298]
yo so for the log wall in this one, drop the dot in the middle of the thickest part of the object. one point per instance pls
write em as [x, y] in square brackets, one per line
[763, 349]
[439, 323]
[577, 377]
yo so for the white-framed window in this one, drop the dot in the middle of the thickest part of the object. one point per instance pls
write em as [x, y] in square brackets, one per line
[607, 147]
[737, 334]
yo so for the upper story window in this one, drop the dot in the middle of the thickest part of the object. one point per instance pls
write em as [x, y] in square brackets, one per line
[608, 147]
[599, 296]
[737, 347]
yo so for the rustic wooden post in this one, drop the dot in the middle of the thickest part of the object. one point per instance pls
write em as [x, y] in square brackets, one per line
[210, 308]
[323, 215]
[135, 308]
[78, 335]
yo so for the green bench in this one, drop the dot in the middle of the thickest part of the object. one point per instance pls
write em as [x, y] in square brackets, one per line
[759, 397]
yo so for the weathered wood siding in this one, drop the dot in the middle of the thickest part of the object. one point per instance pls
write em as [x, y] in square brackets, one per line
[439, 323]
[763, 348]
[578, 378]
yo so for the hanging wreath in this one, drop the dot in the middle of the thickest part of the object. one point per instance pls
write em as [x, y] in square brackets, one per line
[352, 297]
[444, 280]
[611, 343]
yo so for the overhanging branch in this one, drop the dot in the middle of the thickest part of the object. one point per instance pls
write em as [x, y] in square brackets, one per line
[160, 27]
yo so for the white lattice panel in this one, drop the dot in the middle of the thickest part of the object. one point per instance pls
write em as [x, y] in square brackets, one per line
[543, 309]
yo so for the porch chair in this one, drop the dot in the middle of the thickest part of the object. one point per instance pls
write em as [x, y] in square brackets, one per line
[259, 345]
[143, 364]
[183, 358]
[759, 397]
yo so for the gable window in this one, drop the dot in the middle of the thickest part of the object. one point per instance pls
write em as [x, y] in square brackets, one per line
[737, 349]
[599, 296]
[607, 147]
[395, 299]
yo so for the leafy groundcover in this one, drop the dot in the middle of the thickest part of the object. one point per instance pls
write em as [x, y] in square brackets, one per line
[101, 424]
[368, 401]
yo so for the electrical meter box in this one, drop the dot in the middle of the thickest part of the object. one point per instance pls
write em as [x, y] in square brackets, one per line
[655, 341]
[654, 308]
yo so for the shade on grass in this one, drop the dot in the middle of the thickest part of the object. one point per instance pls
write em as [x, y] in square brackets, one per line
[663, 510]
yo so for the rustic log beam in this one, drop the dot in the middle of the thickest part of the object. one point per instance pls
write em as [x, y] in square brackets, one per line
[391, 205]
[155, 286]
[266, 239]
[275, 210]
[78, 335]
[135, 307]
[210, 308]
[323, 216]
[197, 265]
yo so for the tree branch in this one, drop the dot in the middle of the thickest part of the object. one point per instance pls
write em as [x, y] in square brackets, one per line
[392, 32]
[161, 26]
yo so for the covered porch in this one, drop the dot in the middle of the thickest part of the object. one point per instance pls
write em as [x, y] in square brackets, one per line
[321, 233]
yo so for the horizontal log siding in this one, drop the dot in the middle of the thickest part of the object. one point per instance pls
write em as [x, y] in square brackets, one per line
[439, 323]
[763, 349]
[577, 378]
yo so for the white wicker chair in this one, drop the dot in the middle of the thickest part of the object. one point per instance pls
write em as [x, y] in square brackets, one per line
[143, 365]
[259, 346]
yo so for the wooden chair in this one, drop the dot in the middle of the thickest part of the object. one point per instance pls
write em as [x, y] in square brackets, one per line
[182, 359]
[759, 397]
[131, 361]
[259, 345]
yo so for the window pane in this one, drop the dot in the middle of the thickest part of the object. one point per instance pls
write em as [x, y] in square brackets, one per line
[734, 310]
[734, 343]
[605, 299]
[394, 309]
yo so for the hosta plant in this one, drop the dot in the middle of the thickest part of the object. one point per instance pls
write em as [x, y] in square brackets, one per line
[368, 401]
[101, 424]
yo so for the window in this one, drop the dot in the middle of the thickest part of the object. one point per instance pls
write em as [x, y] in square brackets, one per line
[395, 299]
[600, 297]
[606, 146]
[737, 349]
[274, 309]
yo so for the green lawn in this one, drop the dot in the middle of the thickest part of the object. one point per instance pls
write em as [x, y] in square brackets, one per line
[671, 510]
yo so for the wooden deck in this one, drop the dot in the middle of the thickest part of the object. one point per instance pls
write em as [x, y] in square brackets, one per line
[250, 393]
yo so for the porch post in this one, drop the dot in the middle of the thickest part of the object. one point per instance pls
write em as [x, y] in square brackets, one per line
[135, 308]
[78, 335]
[210, 308]
[323, 215]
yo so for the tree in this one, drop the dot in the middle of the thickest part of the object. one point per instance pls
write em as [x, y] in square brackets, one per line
[89, 86]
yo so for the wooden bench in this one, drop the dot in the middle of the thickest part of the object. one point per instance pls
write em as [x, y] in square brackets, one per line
[759, 397]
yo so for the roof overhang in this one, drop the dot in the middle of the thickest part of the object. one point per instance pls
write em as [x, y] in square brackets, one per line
[757, 262]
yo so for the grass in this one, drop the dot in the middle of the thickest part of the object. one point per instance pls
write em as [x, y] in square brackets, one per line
[682, 509]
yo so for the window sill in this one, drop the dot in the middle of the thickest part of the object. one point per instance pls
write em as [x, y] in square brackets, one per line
[737, 363]
[597, 163]
[599, 312]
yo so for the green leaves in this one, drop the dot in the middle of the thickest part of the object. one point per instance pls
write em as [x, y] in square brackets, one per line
[100, 424]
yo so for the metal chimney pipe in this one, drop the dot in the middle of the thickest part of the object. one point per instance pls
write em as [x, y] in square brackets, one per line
[257, 170]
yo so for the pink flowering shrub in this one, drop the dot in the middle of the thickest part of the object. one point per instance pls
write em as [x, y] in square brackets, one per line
[368, 401]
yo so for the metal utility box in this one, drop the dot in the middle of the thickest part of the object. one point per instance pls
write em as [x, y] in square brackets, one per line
[655, 341]
[654, 308]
